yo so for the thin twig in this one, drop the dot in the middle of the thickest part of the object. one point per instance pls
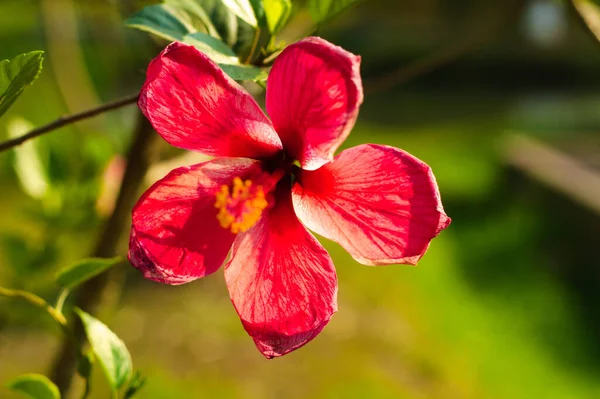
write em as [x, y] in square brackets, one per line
[60, 302]
[91, 294]
[254, 44]
[88, 388]
[67, 120]
[36, 301]
[446, 55]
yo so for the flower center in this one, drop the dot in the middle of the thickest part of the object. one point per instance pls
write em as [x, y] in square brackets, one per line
[241, 207]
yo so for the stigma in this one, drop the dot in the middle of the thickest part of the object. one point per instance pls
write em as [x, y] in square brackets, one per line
[241, 206]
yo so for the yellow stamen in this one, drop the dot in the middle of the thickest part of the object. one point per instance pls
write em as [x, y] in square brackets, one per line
[241, 207]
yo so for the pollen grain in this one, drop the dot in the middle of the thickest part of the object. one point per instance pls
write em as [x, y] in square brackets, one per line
[240, 206]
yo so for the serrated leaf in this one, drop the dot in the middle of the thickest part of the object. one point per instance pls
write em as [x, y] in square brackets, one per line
[277, 13]
[589, 12]
[35, 386]
[84, 270]
[27, 163]
[110, 351]
[160, 20]
[218, 51]
[323, 10]
[16, 75]
[243, 9]
[244, 72]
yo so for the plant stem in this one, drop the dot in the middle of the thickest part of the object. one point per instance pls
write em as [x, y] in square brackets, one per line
[60, 301]
[254, 45]
[67, 120]
[36, 301]
[88, 388]
[91, 294]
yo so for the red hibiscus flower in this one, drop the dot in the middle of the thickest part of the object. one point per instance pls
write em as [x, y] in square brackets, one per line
[269, 180]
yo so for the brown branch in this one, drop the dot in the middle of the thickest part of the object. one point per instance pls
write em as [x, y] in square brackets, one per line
[67, 120]
[447, 55]
[91, 294]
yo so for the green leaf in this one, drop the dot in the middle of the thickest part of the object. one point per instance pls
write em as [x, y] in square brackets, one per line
[244, 44]
[84, 369]
[167, 22]
[218, 51]
[137, 382]
[35, 386]
[323, 10]
[27, 163]
[110, 351]
[85, 365]
[84, 270]
[16, 75]
[259, 12]
[198, 17]
[589, 12]
[160, 20]
[277, 13]
[244, 72]
[223, 19]
[243, 9]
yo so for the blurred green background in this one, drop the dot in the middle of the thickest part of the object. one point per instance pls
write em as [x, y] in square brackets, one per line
[503, 306]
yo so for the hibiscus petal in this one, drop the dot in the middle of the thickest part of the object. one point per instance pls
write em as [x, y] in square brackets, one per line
[380, 203]
[192, 104]
[313, 94]
[281, 281]
[175, 237]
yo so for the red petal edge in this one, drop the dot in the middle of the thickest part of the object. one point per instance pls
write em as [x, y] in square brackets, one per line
[281, 281]
[175, 237]
[380, 203]
[314, 91]
[194, 105]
